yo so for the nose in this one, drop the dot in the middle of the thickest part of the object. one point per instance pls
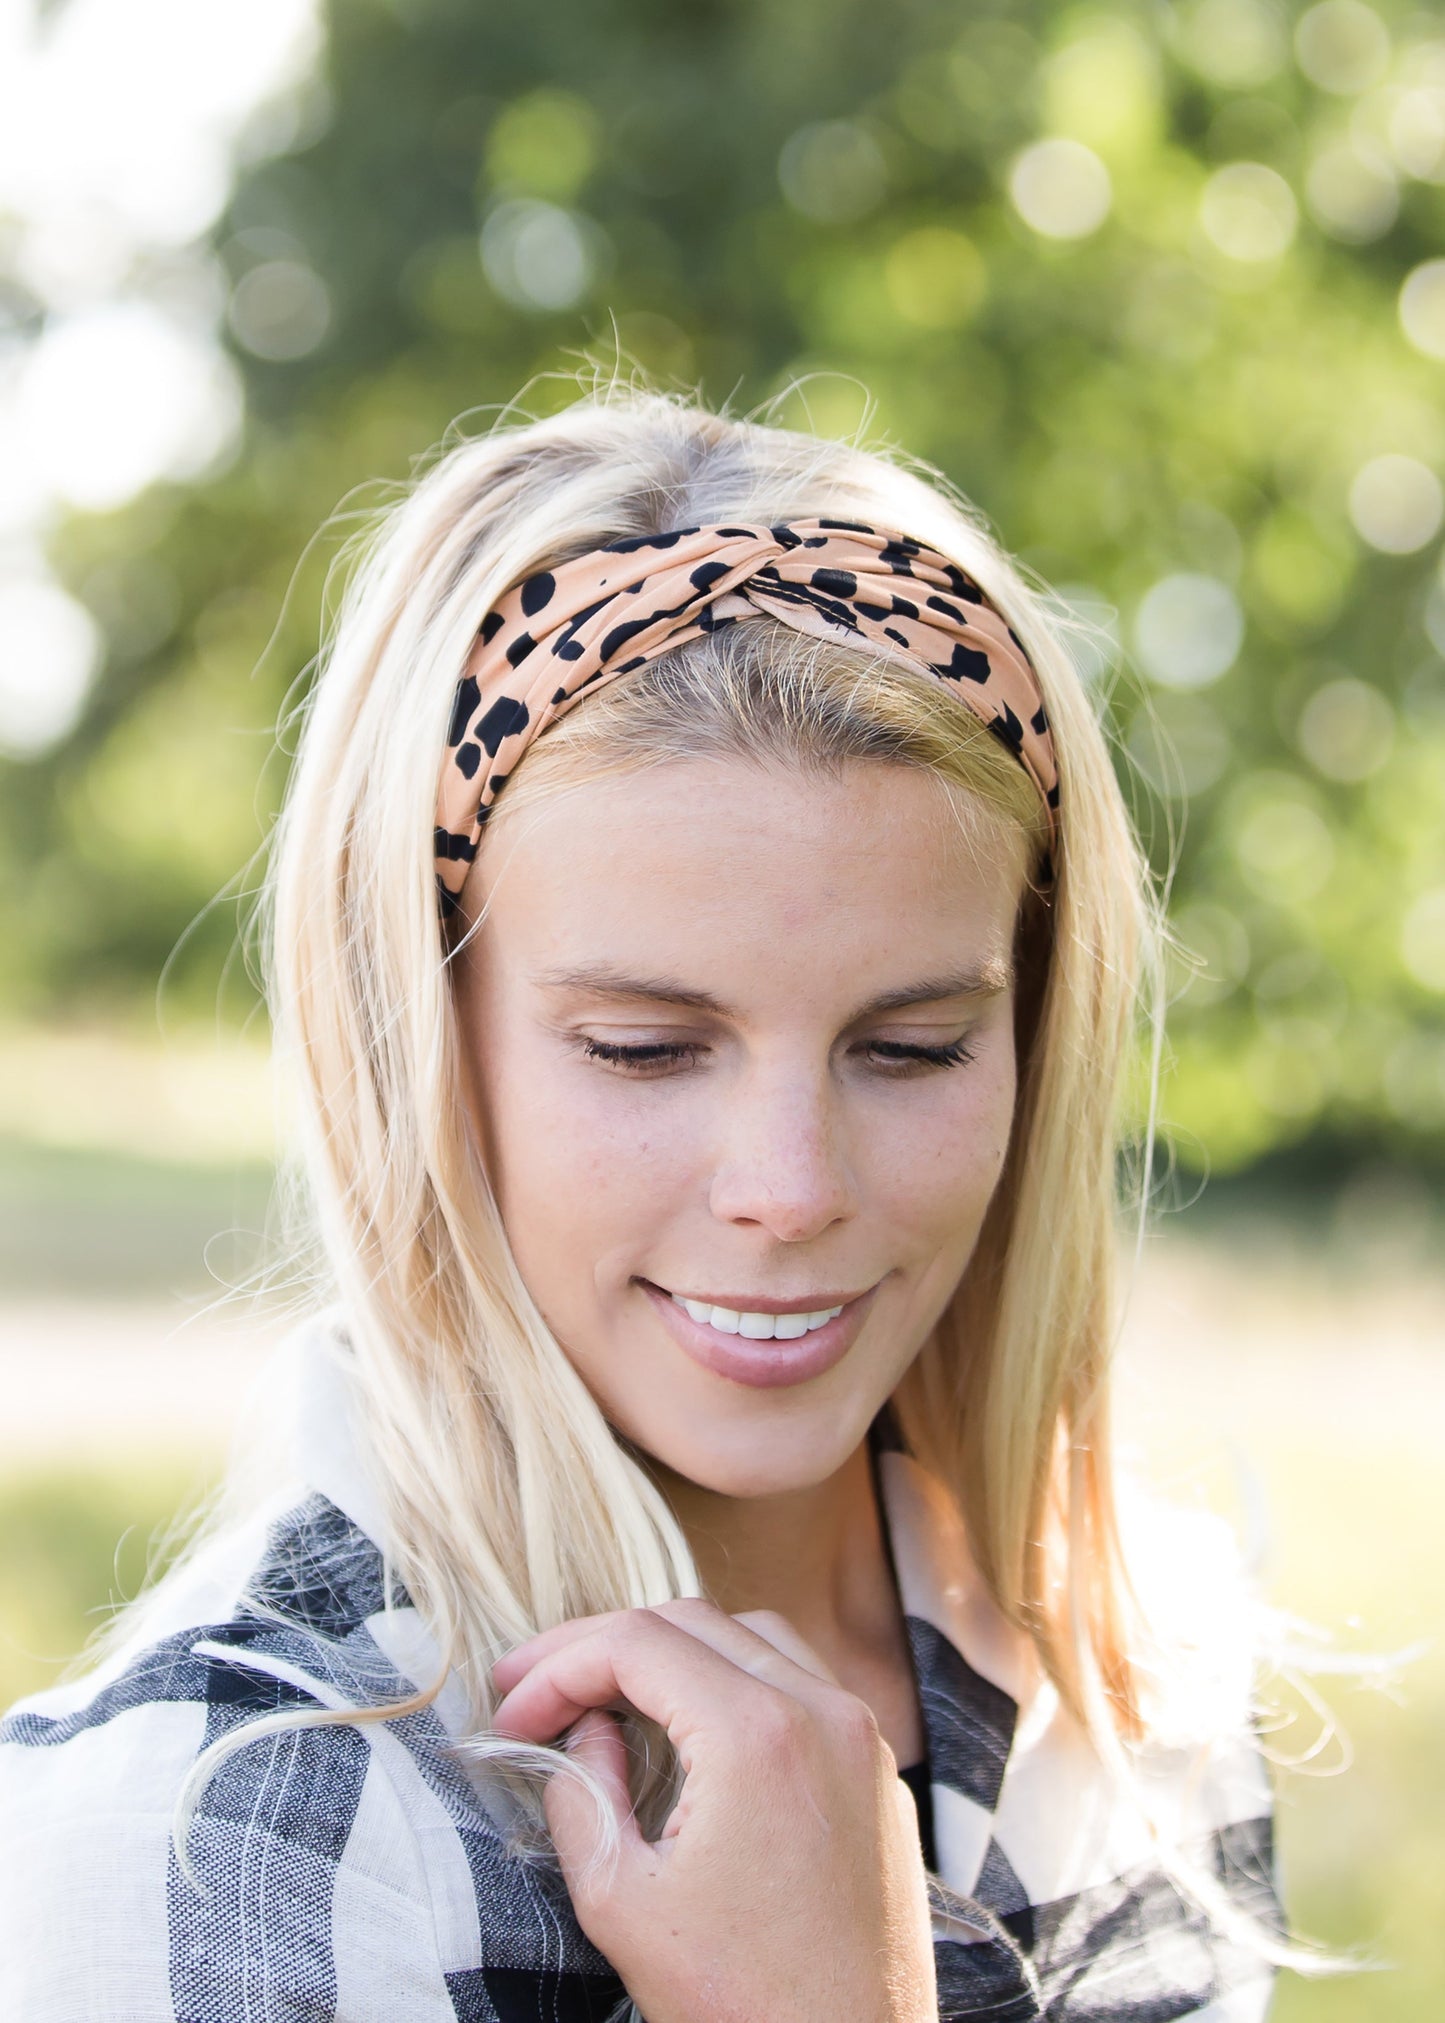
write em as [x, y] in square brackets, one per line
[784, 1165]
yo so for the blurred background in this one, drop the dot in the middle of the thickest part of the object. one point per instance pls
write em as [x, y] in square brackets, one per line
[1159, 286]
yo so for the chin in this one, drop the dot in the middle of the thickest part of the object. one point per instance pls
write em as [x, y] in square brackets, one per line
[758, 1461]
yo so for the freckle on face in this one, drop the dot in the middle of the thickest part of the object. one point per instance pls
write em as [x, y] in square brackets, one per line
[778, 1158]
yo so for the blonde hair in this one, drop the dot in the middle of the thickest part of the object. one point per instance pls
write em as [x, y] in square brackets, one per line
[509, 1503]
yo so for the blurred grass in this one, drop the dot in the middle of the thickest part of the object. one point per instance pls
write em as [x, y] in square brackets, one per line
[81, 1221]
[77, 1543]
[1357, 1534]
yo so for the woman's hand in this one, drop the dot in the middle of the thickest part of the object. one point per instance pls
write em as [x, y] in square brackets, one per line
[787, 1883]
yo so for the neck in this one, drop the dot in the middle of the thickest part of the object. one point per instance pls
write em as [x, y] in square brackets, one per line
[817, 1556]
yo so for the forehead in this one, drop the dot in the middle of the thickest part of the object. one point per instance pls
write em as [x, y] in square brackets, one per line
[716, 867]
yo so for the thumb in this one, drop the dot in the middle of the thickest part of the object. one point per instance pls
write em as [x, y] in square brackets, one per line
[589, 1835]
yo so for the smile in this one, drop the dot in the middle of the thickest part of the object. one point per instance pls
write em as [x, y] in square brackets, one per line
[772, 1344]
[757, 1327]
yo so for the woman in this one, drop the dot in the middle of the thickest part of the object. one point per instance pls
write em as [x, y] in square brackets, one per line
[700, 1582]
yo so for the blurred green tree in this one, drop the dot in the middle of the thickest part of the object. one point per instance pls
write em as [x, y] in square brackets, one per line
[1156, 285]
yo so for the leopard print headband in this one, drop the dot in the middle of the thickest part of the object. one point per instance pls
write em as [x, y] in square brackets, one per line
[564, 631]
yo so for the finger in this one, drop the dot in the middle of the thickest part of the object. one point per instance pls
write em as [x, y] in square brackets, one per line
[760, 1642]
[517, 1663]
[779, 1632]
[755, 1641]
[579, 1833]
[640, 1659]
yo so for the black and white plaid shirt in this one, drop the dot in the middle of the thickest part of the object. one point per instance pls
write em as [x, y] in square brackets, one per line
[356, 1873]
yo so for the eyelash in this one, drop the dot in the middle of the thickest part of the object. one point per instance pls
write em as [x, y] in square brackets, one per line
[901, 1059]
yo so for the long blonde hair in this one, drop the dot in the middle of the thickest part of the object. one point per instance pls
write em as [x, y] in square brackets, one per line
[509, 1503]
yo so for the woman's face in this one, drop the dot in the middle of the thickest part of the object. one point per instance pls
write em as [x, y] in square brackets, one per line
[740, 1050]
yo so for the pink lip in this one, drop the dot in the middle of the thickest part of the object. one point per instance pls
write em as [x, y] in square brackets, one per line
[764, 1365]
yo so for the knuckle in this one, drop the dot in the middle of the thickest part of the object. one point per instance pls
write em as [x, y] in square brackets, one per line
[581, 1628]
[630, 1626]
[681, 1611]
[777, 1724]
[852, 1723]
[767, 1622]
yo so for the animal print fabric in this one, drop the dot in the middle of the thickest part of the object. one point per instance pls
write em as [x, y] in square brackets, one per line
[565, 631]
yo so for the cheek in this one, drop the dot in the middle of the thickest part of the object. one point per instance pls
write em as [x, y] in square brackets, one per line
[568, 1134]
[945, 1154]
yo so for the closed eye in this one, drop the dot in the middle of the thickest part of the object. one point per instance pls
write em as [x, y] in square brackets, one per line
[895, 1057]
[640, 1058]
[902, 1054]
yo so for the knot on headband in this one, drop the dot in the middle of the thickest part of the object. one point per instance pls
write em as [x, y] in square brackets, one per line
[563, 632]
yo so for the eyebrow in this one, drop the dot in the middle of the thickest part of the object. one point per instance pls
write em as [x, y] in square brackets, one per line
[986, 979]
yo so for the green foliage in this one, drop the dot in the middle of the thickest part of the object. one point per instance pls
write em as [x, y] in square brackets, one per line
[740, 197]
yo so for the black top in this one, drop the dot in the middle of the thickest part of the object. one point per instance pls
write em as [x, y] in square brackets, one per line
[916, 1778]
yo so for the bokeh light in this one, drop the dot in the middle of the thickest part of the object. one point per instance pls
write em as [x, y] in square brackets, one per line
[1342, 46]
[1351, 190]
[1346, 729]
[1422, 307]
[1102, 86]
[543, 144]
[1422, 939]
[936, 277]
[117, 123]
[118, 130]
[1417, 122]
[280, 309]
[1235, 43]
[832, 172]
[1282, 842]
[538, 255]
[49, 649]
[1396, 504]
[1249, 212]
[1060, 188]
[118, 396]
[1188, 630]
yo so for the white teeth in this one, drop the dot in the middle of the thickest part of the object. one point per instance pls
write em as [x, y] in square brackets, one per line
[756, 1327]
